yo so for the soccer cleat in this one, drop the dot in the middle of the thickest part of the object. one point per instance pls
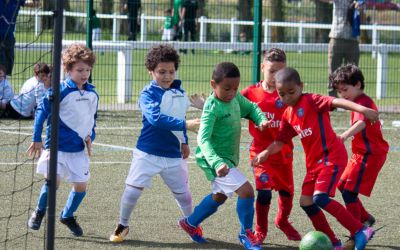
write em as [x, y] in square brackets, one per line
[362, 237]
[370, 221]
[260, 237]
[287, 228]
[338, 246]
[36, 220]
[249, 241]
[119, 233]
[195, 233]
[73, 226]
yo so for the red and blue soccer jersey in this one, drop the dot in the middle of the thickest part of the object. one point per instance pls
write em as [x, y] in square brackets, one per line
[370, 139]
[273, 108]
[310, 119]
[277, 172]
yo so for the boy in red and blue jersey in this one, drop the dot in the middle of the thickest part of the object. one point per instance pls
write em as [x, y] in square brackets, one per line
[369, 148]
[307, 115]
[277, 172]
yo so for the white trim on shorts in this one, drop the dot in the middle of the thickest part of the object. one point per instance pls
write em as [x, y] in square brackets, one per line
[230, 183]
[71, 166]
[144, 167]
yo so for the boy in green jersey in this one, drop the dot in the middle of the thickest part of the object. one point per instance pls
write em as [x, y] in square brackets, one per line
[218, 154]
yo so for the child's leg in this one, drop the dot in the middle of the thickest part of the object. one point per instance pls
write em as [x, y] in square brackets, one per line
[351, 201]
[364, 214]
[208, 206]
[42, 199]
[262, 209]
[285, 204]
[128, 202]
[74, 199]
[184, 201]
[317, 217]
[245, 207]
[338, 211]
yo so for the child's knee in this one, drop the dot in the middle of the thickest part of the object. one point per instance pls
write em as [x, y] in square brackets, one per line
[220, 198]
[306, 201]
[349, 197]
[264, 196]
[321, 199]
[80, 186]
[245, 191]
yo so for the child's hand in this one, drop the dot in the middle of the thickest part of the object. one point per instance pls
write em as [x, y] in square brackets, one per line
[264, 125]
[222, 170]
[88, 142]
[185, 149]
[193, 125]
[197, 101]
[35, 149]
[371, 115]
[260, 158]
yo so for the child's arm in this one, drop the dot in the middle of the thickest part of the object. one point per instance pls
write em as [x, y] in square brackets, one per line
[357, 127]
[370, 114]
[251, 111]
[273, 148]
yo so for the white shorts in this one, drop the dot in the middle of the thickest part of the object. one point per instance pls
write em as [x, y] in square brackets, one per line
[72, 167]
[167, 35]
[144, 167]
[230, 183]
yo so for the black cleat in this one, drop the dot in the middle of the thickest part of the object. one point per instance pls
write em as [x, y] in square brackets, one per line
[36, 220]
[72, 225]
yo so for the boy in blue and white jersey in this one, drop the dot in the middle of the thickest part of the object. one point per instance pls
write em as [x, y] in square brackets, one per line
[77, 99]
[162, 145]
[22, 106]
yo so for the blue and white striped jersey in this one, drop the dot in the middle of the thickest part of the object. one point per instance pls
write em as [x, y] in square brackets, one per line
[164, 125]
[78, 112]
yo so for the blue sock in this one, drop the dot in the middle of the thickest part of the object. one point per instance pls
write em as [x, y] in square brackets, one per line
[42, 200]
[245, 211]
[206, 208]
[73, 202]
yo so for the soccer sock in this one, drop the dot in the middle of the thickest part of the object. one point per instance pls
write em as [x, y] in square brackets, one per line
[319, 221]
[73, 202]
[338, 211]
[128, 202]
[351, 202]
[205, 209]
[285, 204]
[245, 211]
[184, 201]
[262, 209]
[42, 200]
[364, 215]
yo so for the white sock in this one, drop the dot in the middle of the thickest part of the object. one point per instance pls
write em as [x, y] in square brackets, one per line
[184, 201]
[128, 203]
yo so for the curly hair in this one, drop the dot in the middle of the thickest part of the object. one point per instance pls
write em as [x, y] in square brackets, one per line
[77, 53]
[275, 55]
[348, 74]
[161, 53]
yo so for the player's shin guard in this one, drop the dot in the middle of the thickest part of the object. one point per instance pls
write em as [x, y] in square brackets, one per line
[285, 204]
[42, 200]
[351, 201]
[339, 212]
[128, 202]
[245, 211]
[73, 202]
[364, 215]
[205, 209]
[184, 201]
[262, 210]
[319, 221]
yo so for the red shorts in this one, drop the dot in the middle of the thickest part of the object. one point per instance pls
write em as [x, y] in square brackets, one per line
[323, 178]
[361, 173]
[273, 175]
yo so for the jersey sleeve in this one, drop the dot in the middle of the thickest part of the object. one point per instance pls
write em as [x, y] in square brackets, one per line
[151, 110]
[250, 110]
[208, 119]
[320, 102]
[286, 132]
[356, 116]
[42, 113]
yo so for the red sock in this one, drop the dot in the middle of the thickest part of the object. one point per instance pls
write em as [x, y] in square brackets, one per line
[343, 216]
[262, 218]
[363, 212]
[354, 209]
[285, 204]
[321, 224]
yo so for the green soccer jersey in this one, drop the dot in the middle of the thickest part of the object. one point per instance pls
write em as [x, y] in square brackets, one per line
[177, 7]
[219, 133]
[168, 23]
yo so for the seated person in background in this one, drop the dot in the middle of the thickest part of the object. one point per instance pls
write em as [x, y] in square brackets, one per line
[6, 91]
[23, 105]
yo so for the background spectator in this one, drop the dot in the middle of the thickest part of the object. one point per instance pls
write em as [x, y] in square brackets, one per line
[189, 12]
[168, 31]
[6, 91]
[96, 29]
[133, 7]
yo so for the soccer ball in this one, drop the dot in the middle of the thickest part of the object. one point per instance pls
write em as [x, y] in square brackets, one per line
[315, 240]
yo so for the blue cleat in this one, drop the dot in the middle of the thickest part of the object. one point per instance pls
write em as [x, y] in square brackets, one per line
[249, 241]
[195, 233]
[362, 237]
